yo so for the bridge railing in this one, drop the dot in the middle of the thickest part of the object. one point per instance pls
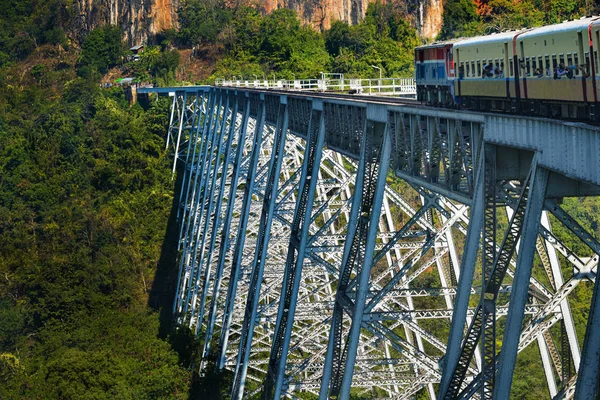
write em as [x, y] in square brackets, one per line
[379, 87]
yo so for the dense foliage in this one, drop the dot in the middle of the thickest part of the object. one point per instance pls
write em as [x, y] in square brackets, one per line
[279, 44]
[77, 257]
[478, 17]
[101, 50]
[27, 24]
[86, 227]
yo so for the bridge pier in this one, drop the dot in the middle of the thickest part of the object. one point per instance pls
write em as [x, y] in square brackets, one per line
[296, 253]
[341, 278]
[358, 254]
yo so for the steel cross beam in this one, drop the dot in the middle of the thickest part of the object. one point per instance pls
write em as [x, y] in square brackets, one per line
[295, 255]
[191, 216]
[494, 269]
[207, 254]
[225, 236]
[358, 254]
[241, 236]
[518, 296]
[261, 251]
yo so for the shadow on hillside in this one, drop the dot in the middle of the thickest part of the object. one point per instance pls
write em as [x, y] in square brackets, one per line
[164, 286]
[162, 295]
[213, 385]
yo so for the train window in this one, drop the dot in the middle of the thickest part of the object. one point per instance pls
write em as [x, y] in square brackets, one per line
[569, 59]
[548, 70]
[587, 60]
[473, 74]
[527, 67]
[478, 71]
[576, 63]
[554, 63]
[468, 70]
[540, 66]
[561, 59]
[502, 69]
[533, 64]
[511, 69]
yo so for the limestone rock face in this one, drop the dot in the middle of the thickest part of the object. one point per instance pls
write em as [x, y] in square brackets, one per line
[141, 19]
[426, 15]
[430, 18]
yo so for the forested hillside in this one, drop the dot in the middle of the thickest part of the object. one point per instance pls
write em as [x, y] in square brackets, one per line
[480, 17]
[85, 195]
[87, 258]
[85, 198]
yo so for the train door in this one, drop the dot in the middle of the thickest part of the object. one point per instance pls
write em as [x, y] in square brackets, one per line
[595, 73]
[455, 85]
[449, 62]
[506, 59]
[522, 68]
[506, 71]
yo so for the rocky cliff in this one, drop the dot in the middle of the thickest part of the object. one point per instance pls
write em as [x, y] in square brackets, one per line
[426, 15]
[141, 19]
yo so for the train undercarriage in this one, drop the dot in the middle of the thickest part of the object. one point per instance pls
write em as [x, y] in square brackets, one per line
[440, 96]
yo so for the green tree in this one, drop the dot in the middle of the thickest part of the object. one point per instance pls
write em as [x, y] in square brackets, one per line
[560, 10]
[311, 57]
[102, 49]
[201, 21]
[511, 14]
[279, 36]
[78, 259]
[338, 37]
[27, 24]
[460, 19]
[246, 22]
[379, 15]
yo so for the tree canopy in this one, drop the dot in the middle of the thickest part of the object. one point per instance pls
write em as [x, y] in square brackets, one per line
[479, 17]
[278, 43]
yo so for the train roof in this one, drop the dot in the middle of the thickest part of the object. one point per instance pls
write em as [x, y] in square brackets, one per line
[577, 25]
[493, 38]
[439, 44]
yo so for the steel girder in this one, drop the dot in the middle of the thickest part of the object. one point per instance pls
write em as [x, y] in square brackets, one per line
[312, 242]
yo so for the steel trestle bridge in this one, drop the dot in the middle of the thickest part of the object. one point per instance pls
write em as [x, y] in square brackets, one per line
[335, 246]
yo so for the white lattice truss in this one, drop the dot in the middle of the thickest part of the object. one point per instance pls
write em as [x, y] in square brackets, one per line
[306, 266]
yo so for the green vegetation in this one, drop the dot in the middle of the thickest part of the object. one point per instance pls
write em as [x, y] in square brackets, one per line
[85, 277]
[27, 24]
[79, 308]
[278, 43]
[102, 49]
[479, 17]
[156, 64]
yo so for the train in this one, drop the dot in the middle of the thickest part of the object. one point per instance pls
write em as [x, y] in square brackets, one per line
[550, 71]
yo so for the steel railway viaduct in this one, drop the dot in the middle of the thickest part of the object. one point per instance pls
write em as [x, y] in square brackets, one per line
[335, 246]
